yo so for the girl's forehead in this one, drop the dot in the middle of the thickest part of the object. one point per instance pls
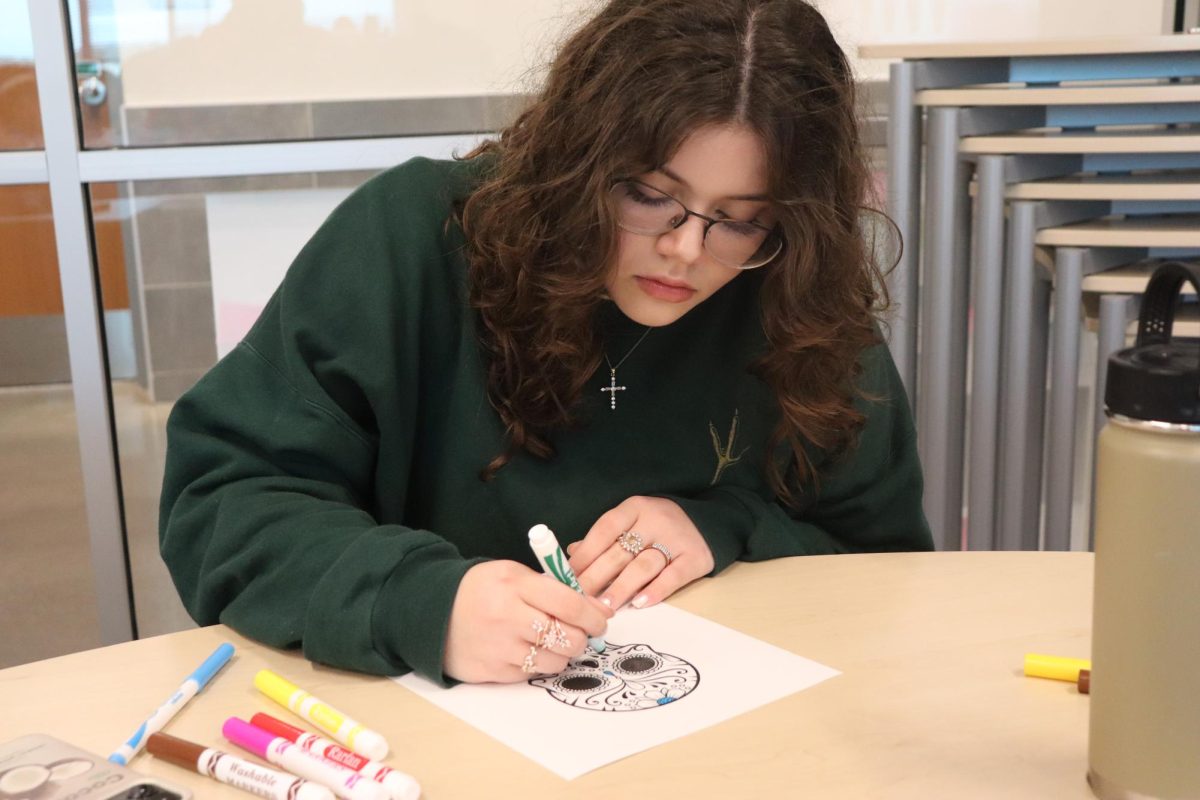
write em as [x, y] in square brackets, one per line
[725, 161]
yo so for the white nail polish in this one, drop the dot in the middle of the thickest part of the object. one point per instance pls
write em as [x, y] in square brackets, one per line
[639, 601]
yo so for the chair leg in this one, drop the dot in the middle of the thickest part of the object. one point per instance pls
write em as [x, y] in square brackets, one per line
[986, 293]
[1020, 406]
[1064, 372]
[904, 207]
[942, 365]
[1039, 335]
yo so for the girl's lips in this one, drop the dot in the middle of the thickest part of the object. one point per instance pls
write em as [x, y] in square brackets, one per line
[665, 291]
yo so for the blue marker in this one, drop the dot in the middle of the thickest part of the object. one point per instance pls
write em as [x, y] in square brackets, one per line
[555, 563]
[194, 683]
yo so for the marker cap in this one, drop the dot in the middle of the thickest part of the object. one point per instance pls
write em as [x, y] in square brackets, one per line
[245, 735]
[218, 659]
[1056, 668]
[274, 686]
[178, 751]
[276, 727]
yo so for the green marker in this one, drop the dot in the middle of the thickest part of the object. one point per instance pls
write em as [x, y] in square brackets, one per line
[554, 562]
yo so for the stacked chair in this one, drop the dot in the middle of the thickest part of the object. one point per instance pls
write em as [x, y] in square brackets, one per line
[1080, 153]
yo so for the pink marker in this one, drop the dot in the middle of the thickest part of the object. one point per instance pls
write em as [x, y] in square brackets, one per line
[401, 786]
[345, 782]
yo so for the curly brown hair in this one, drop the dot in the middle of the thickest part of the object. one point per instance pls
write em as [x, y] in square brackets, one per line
[623, 93]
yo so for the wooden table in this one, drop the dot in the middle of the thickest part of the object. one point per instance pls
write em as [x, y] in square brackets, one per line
[931, 702]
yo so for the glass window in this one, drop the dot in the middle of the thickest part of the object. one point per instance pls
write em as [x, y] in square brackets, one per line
[212, 71]
[197, 260]
[20, 121]
[46, 584]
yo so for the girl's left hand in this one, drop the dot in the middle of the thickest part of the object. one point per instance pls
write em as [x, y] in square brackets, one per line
[616, 575]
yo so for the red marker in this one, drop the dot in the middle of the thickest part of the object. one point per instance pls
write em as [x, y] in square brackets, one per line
[400, 785]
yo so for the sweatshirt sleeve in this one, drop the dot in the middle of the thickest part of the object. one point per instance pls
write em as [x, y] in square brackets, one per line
[265, 519]
[869, 500]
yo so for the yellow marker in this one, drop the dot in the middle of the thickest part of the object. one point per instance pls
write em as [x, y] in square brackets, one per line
[328, 719]
[1055, 667]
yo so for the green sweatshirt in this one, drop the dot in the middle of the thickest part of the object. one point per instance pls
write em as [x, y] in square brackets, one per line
[322, 483]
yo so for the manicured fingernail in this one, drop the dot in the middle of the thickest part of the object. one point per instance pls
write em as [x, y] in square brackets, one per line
[640, 601]
[606, 600]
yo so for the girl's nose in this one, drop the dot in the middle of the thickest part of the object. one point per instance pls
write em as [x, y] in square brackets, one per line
[685, 243]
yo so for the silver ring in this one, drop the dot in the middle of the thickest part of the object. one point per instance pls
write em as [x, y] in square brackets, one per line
[662, 548]
[527, 666]
[631, 542]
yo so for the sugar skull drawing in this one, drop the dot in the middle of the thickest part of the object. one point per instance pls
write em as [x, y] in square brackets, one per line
[627, 677]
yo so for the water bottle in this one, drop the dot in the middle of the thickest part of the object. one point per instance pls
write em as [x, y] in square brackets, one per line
[1144, 732]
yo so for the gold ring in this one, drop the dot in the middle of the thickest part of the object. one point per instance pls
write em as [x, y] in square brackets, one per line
[527, 666]
[550, 635]
[631, 542]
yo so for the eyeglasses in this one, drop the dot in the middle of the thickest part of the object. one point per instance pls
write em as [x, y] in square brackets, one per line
[646, 211]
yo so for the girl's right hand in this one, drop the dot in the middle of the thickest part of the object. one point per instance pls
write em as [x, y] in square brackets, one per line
[495, 619]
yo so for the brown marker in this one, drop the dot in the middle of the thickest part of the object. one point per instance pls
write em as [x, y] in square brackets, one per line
[246, 775]
[1085, 681]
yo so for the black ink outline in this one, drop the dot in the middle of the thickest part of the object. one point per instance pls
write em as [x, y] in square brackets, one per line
[553, 683]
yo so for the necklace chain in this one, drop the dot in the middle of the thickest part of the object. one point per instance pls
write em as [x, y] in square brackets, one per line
[627, 354]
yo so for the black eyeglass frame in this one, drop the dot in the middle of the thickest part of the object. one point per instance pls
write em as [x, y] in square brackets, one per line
[708, 223]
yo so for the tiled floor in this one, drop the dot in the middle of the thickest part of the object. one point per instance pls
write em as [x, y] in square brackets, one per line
[46, 587]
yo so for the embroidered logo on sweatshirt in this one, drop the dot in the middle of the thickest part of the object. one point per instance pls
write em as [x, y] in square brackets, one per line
[724, 451]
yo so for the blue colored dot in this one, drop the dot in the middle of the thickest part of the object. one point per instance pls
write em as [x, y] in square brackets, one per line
[608, 672]
[662, 701]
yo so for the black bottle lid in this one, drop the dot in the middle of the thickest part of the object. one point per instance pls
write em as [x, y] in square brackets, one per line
[1158, 378]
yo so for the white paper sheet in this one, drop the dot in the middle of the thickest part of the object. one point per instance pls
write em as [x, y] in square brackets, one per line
[687, 673]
